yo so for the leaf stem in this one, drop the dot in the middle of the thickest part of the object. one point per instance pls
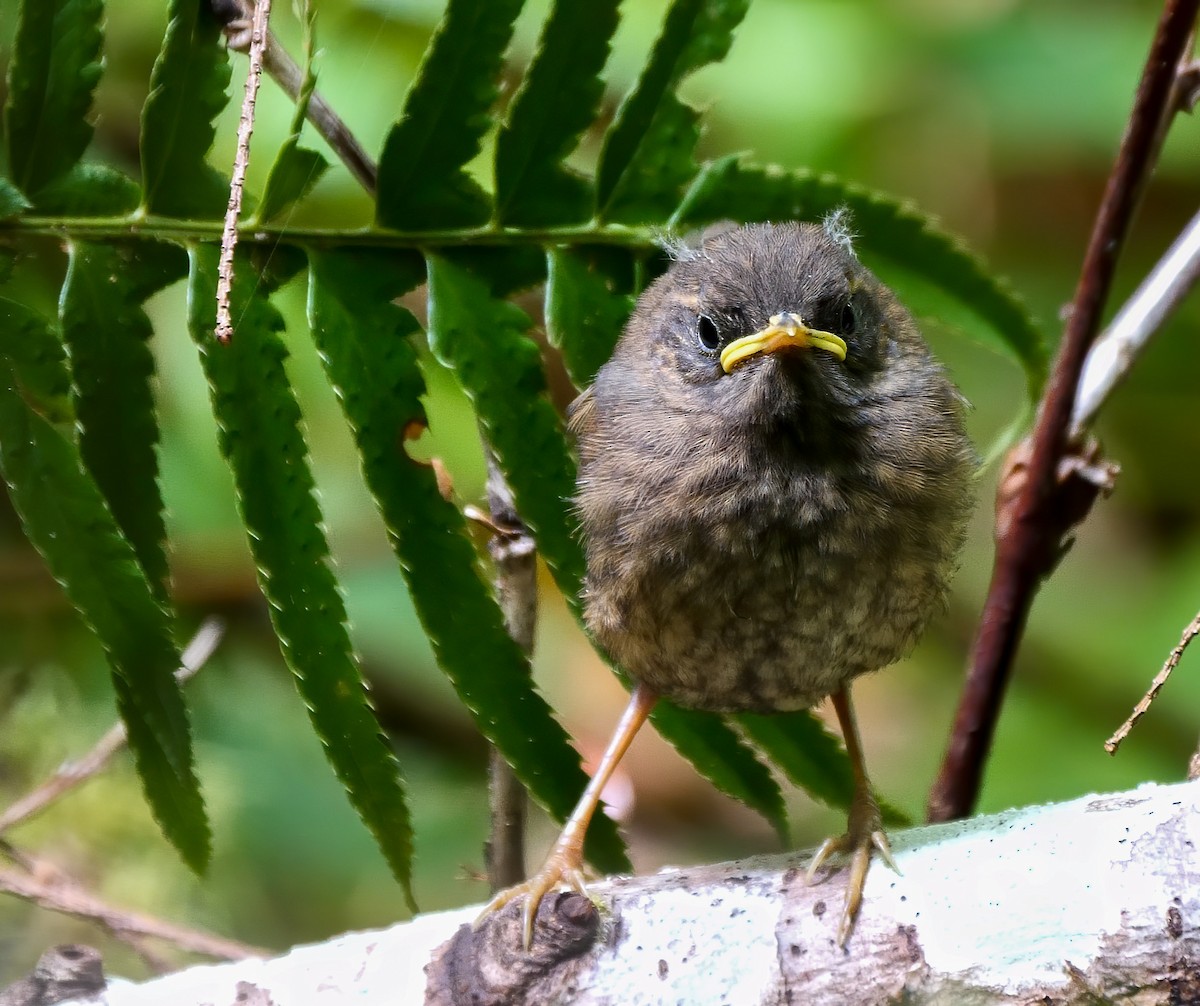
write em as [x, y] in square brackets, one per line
[209, 232]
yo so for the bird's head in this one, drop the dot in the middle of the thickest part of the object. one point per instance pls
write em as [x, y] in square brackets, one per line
[768, 322]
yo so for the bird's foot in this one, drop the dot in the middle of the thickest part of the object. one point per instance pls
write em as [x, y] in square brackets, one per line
[864, 832]
[564, 865]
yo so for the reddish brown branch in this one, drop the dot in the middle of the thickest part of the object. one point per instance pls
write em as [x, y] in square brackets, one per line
[237, 15]
[1044, 495]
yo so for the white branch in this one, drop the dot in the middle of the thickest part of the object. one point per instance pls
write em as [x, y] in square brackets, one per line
[1113, 354]
[1075, 902]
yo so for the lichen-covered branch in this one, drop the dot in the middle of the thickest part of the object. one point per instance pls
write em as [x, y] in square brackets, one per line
[1082, 902]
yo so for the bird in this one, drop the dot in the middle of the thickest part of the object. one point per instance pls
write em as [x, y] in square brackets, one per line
[773, 488]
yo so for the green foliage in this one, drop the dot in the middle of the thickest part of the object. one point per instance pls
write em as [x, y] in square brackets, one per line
[363, 340]
[422, 182]
[586, 309]
[89, 190]
[54, 69]
[483, 340]
[94, 509]
[296, 169]
[36, 364]
[187, 90]
[106, 331]
[11, 200]
[555, 105]
[724, 760]
[807, 753]
[259, 425]
[647, 154]
[66, 519]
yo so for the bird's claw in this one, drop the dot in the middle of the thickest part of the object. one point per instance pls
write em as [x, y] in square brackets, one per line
[858, 842]
[562, 867]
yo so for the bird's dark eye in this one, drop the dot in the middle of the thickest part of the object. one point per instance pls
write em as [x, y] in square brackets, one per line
[707, 334]
[848, 321]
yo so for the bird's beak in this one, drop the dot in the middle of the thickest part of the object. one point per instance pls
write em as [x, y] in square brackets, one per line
[786, 331]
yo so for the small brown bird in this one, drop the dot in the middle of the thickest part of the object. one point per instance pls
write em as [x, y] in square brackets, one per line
[774, 481]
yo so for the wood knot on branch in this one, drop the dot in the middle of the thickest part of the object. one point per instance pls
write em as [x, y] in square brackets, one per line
[68, 971]
[485, 964]
[1082, 476]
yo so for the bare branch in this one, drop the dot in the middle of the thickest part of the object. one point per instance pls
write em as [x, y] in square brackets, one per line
[1159, 296]
[48, 888]
[513, 550]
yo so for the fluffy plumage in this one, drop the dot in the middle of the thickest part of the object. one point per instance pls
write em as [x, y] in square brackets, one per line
[755, 539]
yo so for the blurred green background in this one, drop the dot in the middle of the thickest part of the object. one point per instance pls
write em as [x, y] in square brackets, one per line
[999, 116]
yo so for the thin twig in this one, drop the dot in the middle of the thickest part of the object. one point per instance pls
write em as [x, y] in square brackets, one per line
[1042, 502]
[61, 894]
[1158, 297]
[513, 551]
[1160, 679]
[71, 774]
[258, 39]
[287, 74]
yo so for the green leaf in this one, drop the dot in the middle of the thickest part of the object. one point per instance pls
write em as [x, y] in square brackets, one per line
[66, 519]
[54, 69]
[107, 332]
[38, 363]
[506, 270]
[90, 190]
[723, 758]
[483, 340]
[187, 91]
[646, 159]
[586, 308]
[12, 203]
[549, 113]
[363, 340]
[422, 184]
[894, 231]
[296, 169]
[259, 434]
[811, 757]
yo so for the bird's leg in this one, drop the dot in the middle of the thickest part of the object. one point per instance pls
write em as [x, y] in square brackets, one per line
[564, 864]
[864, 825]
